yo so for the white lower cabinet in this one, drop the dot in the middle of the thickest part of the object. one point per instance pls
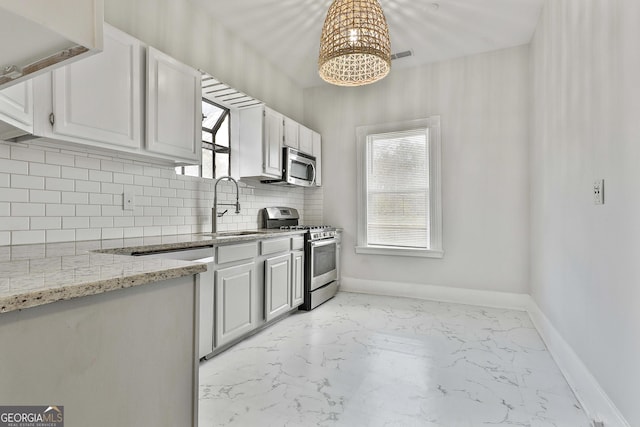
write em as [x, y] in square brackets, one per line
[234, 302]
[277, 286]
[297, 278]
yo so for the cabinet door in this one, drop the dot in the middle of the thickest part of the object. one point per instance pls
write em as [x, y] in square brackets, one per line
[291, 133]
[317, 152]
[297, 283]
[277, 286]
[174, 108]
[235, 298]
[16, 107]
[306, 140]
[99, 99]
[272, 143]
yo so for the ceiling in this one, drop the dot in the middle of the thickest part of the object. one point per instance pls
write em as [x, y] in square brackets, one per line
[287, 32]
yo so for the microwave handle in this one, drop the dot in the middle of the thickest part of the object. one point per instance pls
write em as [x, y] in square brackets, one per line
[313, 166]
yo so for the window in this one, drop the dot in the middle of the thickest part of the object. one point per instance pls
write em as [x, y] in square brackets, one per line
[216, 153]
[399, 200]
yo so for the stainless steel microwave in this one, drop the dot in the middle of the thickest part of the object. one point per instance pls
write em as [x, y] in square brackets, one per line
[298, 168]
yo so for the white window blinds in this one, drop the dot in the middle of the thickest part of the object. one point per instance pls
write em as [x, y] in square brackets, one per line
[397, 189]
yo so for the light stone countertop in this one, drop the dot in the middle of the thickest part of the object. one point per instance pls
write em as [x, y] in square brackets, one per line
[33, 275]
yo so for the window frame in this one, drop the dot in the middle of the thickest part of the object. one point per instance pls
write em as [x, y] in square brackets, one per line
[435, 188]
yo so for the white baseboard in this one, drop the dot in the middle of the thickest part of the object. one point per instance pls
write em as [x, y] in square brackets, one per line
[437, 293]
[592, 397]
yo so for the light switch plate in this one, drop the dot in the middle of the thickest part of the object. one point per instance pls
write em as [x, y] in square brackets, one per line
[128, 201]
[598, 192]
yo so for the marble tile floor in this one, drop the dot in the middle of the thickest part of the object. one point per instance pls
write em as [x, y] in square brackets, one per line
[363, 360]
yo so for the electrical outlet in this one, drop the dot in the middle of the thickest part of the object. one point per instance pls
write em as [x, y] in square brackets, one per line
[128, 201]
[598, 192]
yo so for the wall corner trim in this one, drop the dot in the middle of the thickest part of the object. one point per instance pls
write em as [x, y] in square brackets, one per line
[588, 391]
[592, 397]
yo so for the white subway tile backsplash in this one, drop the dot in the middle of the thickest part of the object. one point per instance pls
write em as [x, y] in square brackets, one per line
[88, 210]
[101, 222]
[122, 178]
[88, 186]
[46, 223]
[59, 194]
[54, 158]
[55, 209]
[14, 195]
[25, 209]
[26, 181]
[101, 176]
[108, 165]
[40, 169]
[26, 154]
[43, 196]
[75, 198]
[100, 199]
[60, 235]
[60, 184]
[74, 173]
[27, 237]
[110, 188]
[87, 162]
[14, 166]
[112, 233]
[88, 234]
[75, 222]
[14, 223]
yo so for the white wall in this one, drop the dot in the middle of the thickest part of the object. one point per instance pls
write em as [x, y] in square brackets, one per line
[189, 34]
[482, 101]
[585, 125]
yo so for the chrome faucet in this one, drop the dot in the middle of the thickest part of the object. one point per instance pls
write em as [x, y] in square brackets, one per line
[214, 211]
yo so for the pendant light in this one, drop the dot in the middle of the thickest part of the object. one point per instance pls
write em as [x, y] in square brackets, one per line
[355, 48]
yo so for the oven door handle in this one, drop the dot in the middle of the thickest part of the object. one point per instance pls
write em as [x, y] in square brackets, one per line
[325, 242]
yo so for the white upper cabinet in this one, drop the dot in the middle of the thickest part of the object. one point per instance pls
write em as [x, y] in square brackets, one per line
[174, 108]
[16, 110]
[317, 152]
[40, 35]
[260, 134]
[99, 99]
[291, 134]
[273, 143]
[305, 140]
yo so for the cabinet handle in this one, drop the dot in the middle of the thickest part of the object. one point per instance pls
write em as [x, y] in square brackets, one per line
[52, 119]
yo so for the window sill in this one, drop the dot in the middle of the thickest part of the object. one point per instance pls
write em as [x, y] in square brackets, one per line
[388, 250]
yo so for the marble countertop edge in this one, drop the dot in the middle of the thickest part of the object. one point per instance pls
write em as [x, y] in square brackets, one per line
[94, 287]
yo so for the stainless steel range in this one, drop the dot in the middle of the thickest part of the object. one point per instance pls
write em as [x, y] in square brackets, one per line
[320, 251]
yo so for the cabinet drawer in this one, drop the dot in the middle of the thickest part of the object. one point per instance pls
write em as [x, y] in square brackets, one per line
[275, 245]
[297, 242]
[236, 252]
